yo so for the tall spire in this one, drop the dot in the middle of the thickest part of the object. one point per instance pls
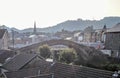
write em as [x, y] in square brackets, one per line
[34, 31]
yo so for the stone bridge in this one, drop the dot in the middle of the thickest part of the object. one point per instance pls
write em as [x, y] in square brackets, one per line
[85, 53]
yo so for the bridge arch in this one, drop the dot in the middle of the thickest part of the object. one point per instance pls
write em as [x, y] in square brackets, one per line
[85, 53]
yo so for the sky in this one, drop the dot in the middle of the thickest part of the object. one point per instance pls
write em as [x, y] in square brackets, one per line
[21, 14]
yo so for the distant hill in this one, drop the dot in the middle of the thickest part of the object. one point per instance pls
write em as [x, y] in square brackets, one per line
[79, 24]
[9, 29]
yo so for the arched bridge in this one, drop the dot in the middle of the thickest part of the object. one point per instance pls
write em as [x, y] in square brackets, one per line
[85, 53]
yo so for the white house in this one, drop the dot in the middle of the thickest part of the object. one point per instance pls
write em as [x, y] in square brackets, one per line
[4, 39]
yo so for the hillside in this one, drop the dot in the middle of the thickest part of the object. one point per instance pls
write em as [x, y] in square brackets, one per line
[9, 29]
[72, 25]
[80, 24]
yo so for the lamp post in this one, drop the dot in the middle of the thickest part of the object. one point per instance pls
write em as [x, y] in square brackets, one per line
[119, 54]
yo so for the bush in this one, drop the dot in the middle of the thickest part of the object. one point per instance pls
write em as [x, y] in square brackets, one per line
[67, 56]
[44, 51]
[111, 67]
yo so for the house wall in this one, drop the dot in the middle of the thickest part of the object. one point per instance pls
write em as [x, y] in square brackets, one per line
[112, 41]
[87, 37]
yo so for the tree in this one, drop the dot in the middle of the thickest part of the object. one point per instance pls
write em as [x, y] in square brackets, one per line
[111, 67]
[67, 56]
[44, 51]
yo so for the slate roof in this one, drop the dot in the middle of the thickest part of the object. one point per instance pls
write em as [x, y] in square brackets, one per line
[43, 65]
[60, 70]
[86, 72]
[23, 73]
[2, 31]
[41, 76]
[43, 69]
[72, 71]
[27, 73]
[116, 28]
[4, 54]
[18, 61]
[37, 70]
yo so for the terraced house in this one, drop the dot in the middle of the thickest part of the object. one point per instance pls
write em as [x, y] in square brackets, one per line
[112, 41]
[3, 39]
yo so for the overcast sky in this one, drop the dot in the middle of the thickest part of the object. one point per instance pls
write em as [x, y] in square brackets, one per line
[22, 13]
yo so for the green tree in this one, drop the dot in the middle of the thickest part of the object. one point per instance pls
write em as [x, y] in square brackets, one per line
[67, 56]
[111, 67]
[44, 51]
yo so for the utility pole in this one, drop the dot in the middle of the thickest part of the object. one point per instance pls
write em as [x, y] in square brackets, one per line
[13, 41]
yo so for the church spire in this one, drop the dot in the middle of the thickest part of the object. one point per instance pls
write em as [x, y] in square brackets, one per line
[35, 31]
